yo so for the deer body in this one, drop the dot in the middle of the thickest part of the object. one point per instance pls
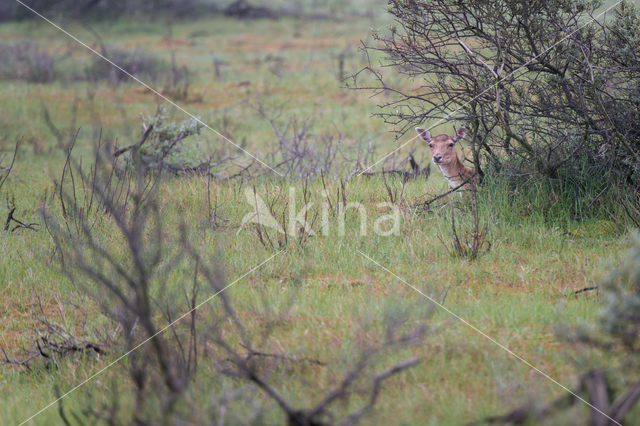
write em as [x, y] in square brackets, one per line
[444, 156]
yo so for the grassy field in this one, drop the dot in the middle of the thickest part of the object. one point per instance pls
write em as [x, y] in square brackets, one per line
[345, 286]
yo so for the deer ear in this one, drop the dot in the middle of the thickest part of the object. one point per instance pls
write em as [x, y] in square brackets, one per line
[424, 134]
[460, 133]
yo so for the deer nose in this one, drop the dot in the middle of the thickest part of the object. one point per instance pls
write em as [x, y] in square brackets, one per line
[437, 158]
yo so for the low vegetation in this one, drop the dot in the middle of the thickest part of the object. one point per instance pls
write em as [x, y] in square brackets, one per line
[154, 271]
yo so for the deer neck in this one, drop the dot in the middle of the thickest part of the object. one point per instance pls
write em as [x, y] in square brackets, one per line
[453, 172]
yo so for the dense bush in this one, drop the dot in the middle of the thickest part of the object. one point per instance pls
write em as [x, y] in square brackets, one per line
[543, 92]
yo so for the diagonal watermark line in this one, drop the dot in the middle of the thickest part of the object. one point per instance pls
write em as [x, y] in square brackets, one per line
[492, 340]
[147, 340]
[448, 115]
[153, 90]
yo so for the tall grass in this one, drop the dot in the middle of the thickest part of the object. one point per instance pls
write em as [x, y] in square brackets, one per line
[567, 202]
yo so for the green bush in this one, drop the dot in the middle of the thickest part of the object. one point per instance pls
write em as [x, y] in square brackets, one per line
[165, 148]
[620, 315]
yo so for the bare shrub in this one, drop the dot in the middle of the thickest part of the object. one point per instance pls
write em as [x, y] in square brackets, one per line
[122, 285]
[27, 61]
[394, 165]
[594, 388]
[5, 170]
[82, 203]
[282, 234]
[402, 327]
[300, 152]
[471, 241]
[4, 175]
[56, 338]
[152, 283]
[136, 63]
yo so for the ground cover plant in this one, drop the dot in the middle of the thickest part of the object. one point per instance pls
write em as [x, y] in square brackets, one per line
[315, 275]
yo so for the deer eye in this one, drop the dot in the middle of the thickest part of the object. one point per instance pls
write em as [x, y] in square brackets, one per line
[430, 146]
[450, 145]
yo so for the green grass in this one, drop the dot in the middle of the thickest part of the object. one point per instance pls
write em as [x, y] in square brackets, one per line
[519, 293]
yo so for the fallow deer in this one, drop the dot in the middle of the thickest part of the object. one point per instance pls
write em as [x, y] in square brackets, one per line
[444, 155]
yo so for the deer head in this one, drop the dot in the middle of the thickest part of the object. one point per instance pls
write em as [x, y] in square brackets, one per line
[443, 152]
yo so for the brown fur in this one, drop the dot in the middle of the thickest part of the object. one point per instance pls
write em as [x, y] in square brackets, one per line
[444, 155]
